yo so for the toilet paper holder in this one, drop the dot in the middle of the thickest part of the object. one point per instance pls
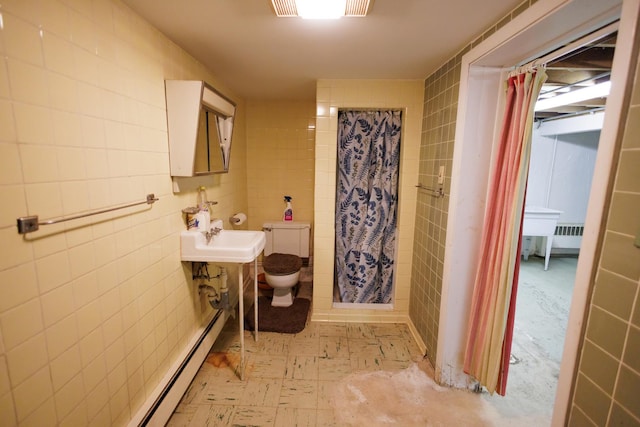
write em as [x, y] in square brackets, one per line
[238, 219]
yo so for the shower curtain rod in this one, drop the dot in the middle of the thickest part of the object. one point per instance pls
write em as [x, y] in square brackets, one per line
[577, 44]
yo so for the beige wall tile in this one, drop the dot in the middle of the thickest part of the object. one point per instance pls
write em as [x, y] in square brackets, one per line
[89, 319]
[62, 336]
[21, 323]
[58, 54]
[65, 367]
[82, 259]
[91, 346]
[69, 396]
[27, 358]
[5, 92]
[14, 204]
[22, 40]
[75, 197]
[57, 304]
[53, 271]
[4, 377]
[97, 400]
[54, 17]
[93, 132]
[29, 83]
[17, 285]
[44, 200]
[39, 164]
[7, 128]
[7, 414]
[32, 393]
[66, 129]
[71, 163]
[63, 93]
[10, 169]
[94, 373]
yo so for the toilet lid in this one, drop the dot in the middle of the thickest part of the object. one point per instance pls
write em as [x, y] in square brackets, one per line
[281, 264]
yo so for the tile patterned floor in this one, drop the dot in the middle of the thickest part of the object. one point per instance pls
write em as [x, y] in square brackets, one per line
[288, 378]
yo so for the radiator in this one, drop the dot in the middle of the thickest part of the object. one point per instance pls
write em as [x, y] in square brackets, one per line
[569, 230]
[567, 238]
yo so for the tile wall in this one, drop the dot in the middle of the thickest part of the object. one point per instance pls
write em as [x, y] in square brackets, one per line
[92, 312]
[331, 96]
[608, 379]
[280, 160]
[436, 149]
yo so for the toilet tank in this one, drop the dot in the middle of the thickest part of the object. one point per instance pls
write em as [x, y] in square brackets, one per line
[291, 237]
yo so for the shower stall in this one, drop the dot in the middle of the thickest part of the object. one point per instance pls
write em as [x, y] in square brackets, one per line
[366, 205]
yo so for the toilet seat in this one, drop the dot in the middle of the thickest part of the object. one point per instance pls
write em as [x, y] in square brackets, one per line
[278, 264]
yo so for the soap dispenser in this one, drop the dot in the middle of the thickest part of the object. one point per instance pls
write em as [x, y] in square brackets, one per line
[203, 216]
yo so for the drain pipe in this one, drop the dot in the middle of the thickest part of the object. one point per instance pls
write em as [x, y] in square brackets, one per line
[221, 300]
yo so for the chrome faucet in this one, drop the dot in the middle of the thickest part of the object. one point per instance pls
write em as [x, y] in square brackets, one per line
[212, 232]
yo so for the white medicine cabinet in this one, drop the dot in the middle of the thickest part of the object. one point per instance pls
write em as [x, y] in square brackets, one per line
[200, 126]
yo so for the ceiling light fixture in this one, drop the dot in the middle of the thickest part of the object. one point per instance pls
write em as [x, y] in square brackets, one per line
[324, 9]
[321, 9]
[599, 90]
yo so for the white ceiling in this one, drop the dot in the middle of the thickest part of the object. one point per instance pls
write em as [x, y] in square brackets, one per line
[260, 56]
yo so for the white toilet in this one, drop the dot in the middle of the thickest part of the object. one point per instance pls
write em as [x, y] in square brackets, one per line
[287, 243]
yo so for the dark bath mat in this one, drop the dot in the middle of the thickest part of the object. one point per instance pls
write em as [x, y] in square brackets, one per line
[287, 320]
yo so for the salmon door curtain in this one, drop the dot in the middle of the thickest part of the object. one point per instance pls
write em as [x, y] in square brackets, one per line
[488, 345]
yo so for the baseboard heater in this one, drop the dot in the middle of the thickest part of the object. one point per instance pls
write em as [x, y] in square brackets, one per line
[569, 230]
[567, 239]
[157, 410]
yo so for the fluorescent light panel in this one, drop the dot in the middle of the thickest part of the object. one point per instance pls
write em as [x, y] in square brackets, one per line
[321, 9]
[324, 9]
[596, 91]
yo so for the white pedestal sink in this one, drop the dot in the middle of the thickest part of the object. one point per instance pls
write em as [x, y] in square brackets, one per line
[228, 246]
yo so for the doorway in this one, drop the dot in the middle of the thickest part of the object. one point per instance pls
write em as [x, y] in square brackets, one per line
[563, 153]
[541, 29]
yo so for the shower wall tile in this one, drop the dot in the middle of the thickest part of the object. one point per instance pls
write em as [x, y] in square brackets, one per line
[331, 96]
[93, 311]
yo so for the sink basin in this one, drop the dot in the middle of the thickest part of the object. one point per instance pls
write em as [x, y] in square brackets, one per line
[237, 246]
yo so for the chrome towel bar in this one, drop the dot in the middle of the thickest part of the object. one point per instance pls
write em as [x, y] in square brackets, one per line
[27, 224]
[436, 192]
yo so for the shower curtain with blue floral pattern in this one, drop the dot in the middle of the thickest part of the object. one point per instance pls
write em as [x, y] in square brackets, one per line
[366, 204]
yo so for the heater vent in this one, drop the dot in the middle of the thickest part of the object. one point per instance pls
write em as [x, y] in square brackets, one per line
[285, 8]
[357, 7]
[569, 230]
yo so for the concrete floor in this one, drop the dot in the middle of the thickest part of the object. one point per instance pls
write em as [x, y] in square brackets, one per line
[542, 310]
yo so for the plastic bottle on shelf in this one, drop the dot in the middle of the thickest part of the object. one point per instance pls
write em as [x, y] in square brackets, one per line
[203, 216]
